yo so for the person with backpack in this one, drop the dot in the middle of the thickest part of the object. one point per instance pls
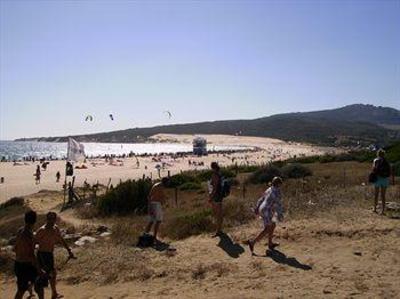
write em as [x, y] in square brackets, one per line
[381, 170]
[216, 196]
[269, 208]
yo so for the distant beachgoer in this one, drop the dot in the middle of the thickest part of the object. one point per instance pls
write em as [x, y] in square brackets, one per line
[215, 196]
[155, 200]
[58, 176]
[37, 175]
[26, 267]
[269, 207]
[381, 168]
[47, 237]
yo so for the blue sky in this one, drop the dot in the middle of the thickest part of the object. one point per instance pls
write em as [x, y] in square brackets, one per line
[202, 60]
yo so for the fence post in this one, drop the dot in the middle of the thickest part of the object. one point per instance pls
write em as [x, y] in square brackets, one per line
[392, 173]
[244, 190]
[176, 196]
[169, 173]
[344, 178]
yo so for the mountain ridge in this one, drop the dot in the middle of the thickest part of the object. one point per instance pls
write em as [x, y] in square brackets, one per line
[351, 124]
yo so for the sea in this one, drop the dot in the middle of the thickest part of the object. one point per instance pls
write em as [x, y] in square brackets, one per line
[17, 150]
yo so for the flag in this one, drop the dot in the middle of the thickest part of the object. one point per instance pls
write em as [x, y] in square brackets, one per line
[76, 151]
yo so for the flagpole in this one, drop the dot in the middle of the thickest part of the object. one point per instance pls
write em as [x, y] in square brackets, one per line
[65, 177]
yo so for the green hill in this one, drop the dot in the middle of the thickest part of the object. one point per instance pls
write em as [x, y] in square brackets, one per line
[349, 125]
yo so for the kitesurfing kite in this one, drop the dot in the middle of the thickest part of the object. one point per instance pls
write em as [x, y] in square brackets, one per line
[111, 116]
[89, 118]
[169, 114]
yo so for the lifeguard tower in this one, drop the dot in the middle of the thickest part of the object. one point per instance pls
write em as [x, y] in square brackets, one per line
[199, 146]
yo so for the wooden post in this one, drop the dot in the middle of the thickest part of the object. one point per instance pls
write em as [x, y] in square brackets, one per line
[344, 178]
[244, 190]
[65, 186]
[169, 173]
[176, 196]
[392, 173]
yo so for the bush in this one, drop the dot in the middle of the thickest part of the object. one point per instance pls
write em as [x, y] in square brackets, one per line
[265, 174]
[196, 177]
[188, 224]
[237, 212]
[295, 171]
[14, 201]
[396, 167]
[205, 175]
[181, 179]
[190, 186]
[127, 197]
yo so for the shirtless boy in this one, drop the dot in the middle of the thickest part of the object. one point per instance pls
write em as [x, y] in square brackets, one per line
[26, 267]
[155, 200]
[47, 237]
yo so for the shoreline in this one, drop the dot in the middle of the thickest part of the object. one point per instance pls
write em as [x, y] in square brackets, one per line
[19, 179]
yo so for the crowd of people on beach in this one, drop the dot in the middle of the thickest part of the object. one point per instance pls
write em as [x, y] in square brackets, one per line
[38, 269]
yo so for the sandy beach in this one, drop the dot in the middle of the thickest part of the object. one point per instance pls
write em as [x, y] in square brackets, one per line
[20, 181]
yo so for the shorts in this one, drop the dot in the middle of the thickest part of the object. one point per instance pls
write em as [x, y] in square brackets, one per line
[26, 274]
[155, 212]
[381, 182]
[46, 261]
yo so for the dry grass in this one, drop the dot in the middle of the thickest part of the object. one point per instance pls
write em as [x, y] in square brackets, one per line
[105, 264]
[218, 269]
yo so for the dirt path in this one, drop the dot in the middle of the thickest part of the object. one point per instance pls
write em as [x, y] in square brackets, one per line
[358, 257]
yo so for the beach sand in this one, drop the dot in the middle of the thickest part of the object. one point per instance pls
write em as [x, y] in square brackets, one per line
[20, 180]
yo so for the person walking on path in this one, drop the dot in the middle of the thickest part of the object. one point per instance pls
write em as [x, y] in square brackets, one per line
[26, 267]
[37, 175]
[155, 200]
[269, 208]
[381, 168]
[47, 237]
[215, 196]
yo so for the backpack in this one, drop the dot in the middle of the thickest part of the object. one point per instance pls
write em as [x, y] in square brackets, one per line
[383, 168]
[225, 187]
[145, 240]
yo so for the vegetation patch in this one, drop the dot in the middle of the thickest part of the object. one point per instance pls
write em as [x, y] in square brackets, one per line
[295, 171]
[126, 197]
[188, 224]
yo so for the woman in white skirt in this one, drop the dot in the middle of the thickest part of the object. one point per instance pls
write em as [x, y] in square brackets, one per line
[269, 207]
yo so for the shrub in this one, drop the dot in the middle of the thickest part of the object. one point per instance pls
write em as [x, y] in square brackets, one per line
[190, 186]
[237, 212]
[295, 171]
[188, 224]
[205, 175]
[126, 197]
[396, 167]
[181, 179]
[265, 174]
[14, 201]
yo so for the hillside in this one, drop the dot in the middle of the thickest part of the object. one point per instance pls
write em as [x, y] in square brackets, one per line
[344, 126]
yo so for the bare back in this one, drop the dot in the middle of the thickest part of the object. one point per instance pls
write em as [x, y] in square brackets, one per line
[157, 193]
